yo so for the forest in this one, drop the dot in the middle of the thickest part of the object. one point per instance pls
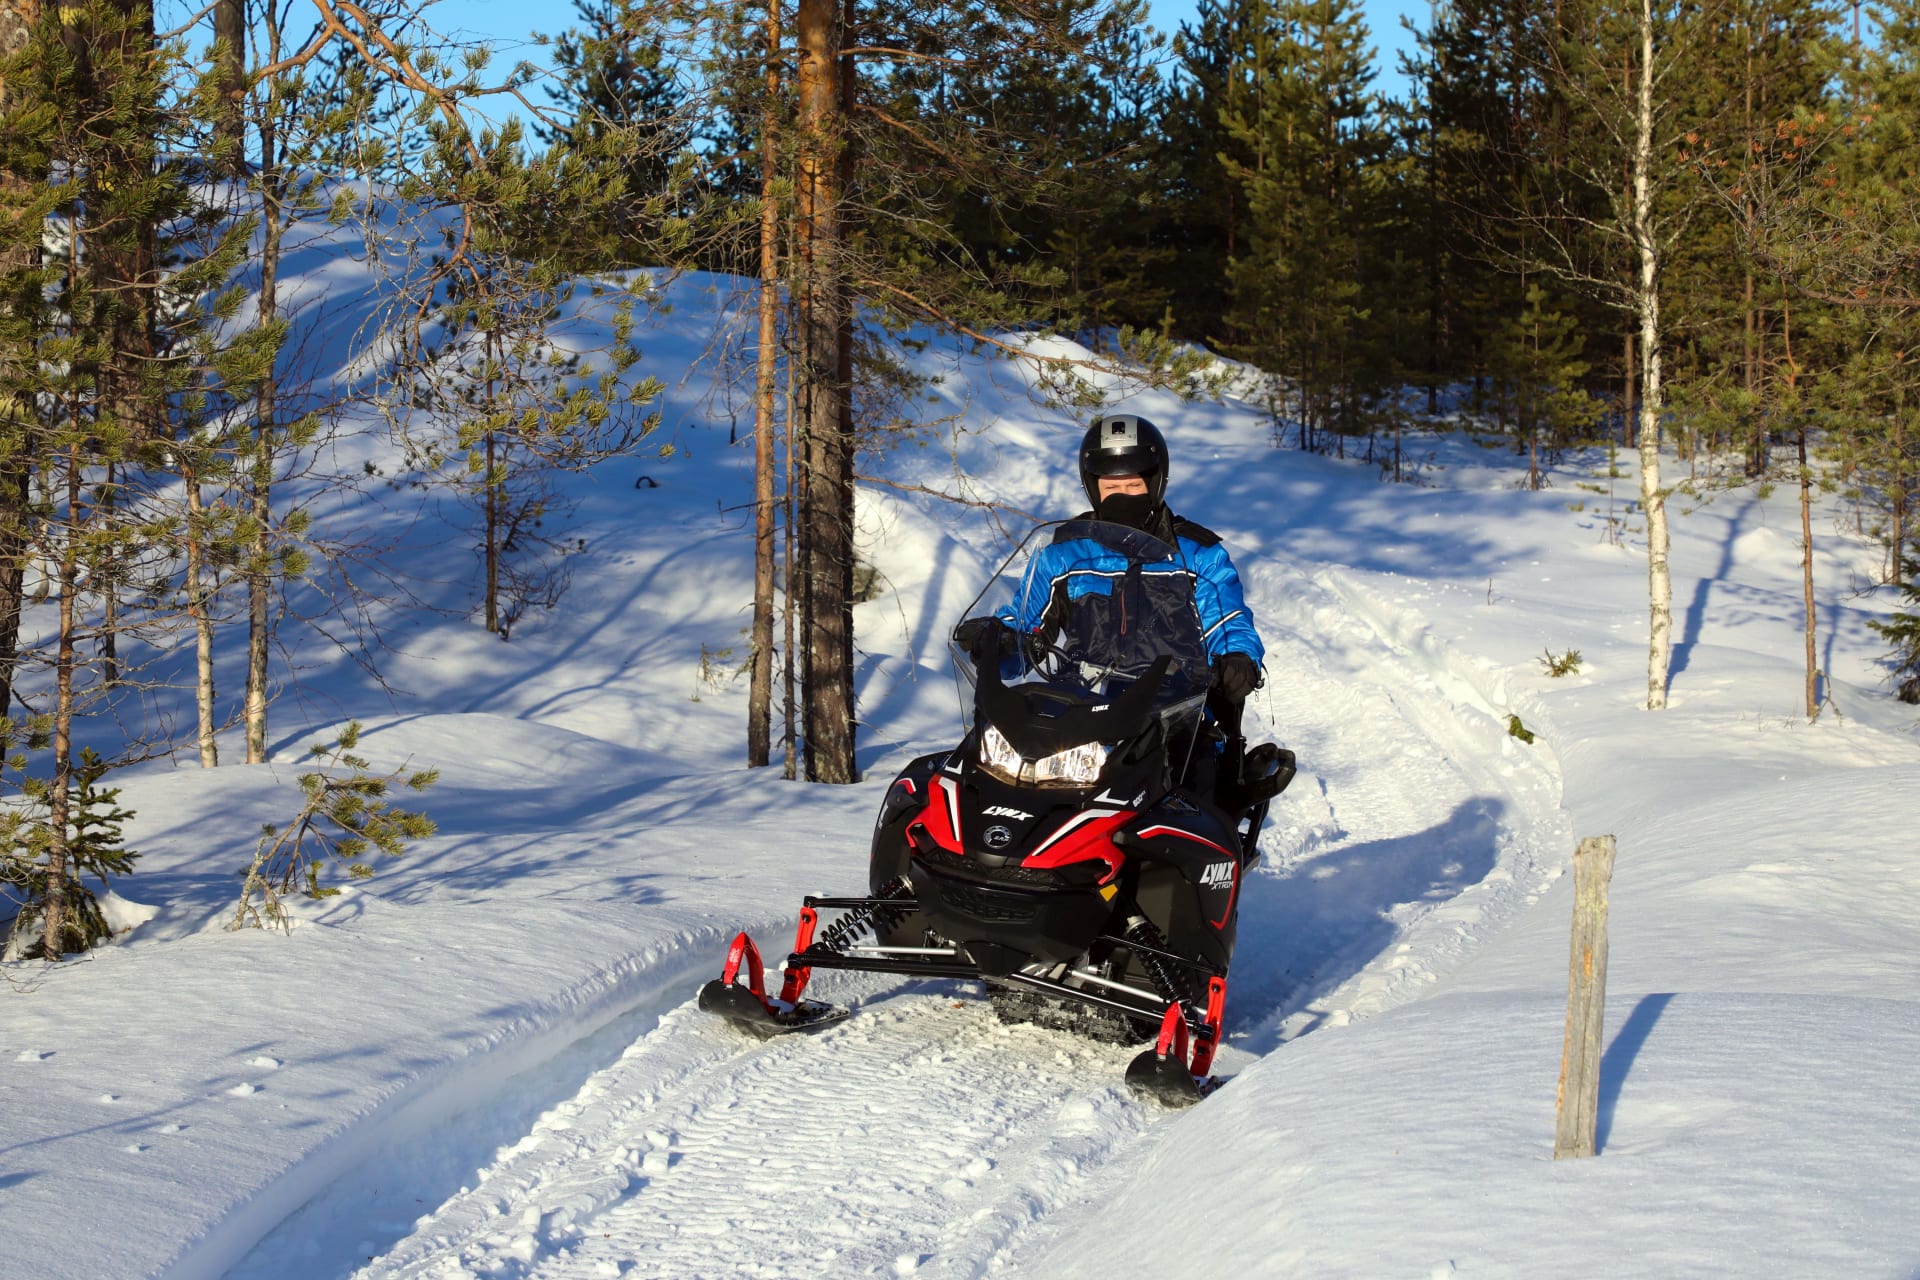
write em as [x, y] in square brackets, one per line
[1686, 230]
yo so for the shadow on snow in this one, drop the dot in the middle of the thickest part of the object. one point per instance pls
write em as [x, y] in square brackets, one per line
[1307, 928]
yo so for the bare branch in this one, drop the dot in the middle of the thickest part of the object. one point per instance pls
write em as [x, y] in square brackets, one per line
[877, 482]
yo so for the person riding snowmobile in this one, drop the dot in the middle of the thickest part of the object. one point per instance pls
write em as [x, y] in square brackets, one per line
[1123, 469]
[1082, 852]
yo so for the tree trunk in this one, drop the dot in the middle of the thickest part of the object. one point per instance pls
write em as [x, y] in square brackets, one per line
[1652, 499]
[123, 265]
[1806, 578]
[229, 126]
[760, 681]
[1749, 320]
[795, 590]
[843, 385]
[829, 505]
[109, 583]
[1897, 525]
[1629, 406]
[16, 549]
[260, 483]
[493, 529]
[60, 793]
[202, 616]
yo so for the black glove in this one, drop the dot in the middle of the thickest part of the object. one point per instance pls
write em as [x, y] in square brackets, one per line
[984, 638]
[1236, 675]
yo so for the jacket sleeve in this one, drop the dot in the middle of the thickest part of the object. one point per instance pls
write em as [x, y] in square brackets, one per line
[1223, 605]
[1029, 607]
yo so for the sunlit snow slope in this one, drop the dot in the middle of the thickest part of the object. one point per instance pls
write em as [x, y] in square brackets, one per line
[484, 1061]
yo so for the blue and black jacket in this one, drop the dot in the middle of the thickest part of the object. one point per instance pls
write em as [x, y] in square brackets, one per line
[1066, 573]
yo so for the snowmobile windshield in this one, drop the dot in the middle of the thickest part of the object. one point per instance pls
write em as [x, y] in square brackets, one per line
[1089, 611]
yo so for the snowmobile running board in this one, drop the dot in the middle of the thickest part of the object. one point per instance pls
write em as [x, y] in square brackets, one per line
[1173, 1072]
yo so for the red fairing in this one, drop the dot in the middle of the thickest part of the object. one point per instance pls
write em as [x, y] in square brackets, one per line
[941, 818]
[1232, 892]
[1086, 835]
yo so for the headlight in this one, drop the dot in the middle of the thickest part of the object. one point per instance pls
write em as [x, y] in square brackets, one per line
[1075, 767]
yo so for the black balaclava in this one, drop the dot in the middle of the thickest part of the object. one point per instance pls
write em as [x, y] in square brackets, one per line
[1136, 511]
[1124, 444]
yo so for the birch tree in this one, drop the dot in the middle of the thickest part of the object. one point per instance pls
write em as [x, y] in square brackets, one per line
[1615, 201]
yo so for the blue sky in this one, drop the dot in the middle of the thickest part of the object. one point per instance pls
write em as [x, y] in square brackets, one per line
[510, 21]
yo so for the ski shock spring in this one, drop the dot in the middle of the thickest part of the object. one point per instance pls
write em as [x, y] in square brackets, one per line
[1170, 982]
[847, 930]
[885, 918]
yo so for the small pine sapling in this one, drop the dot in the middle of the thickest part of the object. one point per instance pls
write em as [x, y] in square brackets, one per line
[95, 844]
[1902, 631]
[342, 815]
[1519, 730]
[1560, 664]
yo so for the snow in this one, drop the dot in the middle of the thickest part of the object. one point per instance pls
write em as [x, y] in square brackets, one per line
[485, 1061]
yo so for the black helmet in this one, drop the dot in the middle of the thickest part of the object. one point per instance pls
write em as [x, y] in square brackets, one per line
[1123, 444]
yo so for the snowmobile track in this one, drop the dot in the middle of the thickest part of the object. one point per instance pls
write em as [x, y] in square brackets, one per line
[921, 1135]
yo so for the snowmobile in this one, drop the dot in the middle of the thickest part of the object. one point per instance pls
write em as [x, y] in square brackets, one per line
[1081, 852]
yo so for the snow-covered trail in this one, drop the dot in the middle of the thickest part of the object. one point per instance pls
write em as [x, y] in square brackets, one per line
[1418, 824]
[919, 1131]
[922, 1136]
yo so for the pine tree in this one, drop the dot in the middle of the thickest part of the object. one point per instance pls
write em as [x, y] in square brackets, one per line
[1225, 70]
[119, 284]
[891, 134]
[507, 404]
[345, 813]
[19, 310]
[1758, 62]
[1902, 631]
[1313, 200]
[1842, 231]
[1090, 224]
[1538, 371]
[619, 97]
[1475, 127]
[94, 844]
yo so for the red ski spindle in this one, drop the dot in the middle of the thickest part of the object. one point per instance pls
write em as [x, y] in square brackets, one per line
[796, 979]
[1216, 1014]
[1173, 1033]
[743, 948]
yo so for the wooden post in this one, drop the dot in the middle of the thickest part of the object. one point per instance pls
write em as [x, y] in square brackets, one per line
[1578, 1111]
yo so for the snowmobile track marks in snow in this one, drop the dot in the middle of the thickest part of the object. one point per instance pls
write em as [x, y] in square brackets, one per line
[920, 1134]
